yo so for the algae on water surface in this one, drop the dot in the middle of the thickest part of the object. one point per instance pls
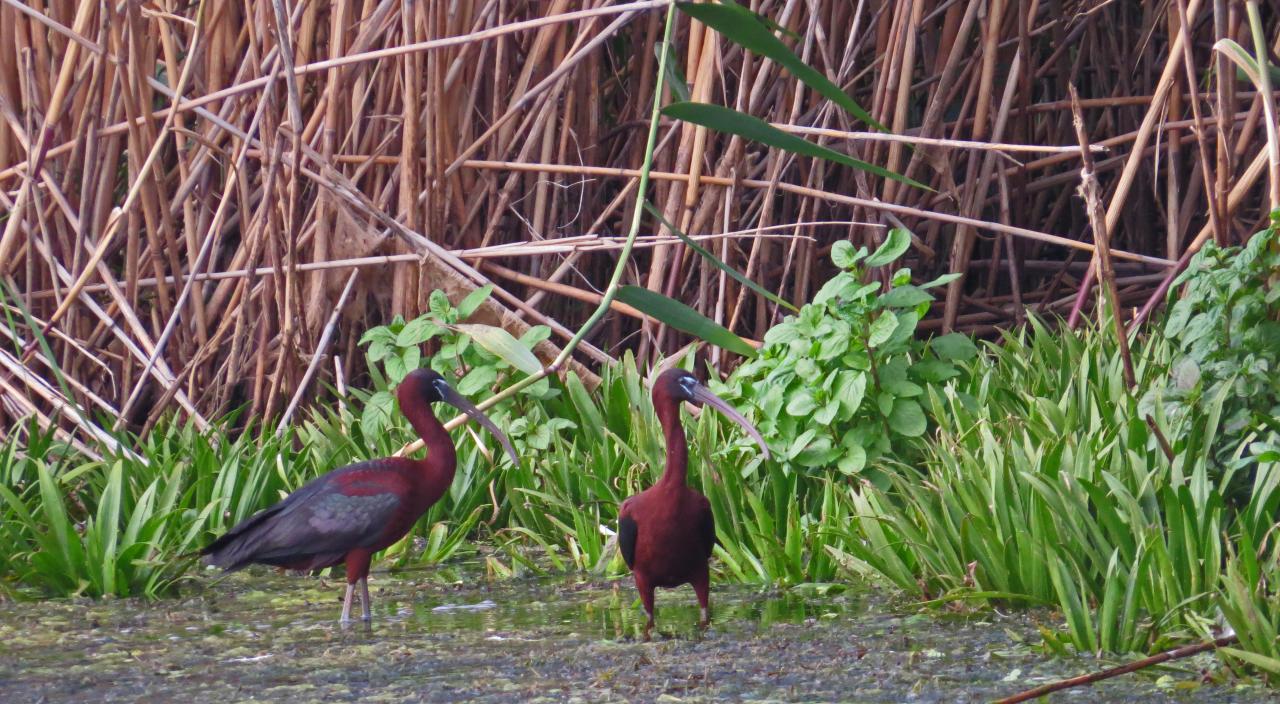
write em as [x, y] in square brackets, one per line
[448, 635]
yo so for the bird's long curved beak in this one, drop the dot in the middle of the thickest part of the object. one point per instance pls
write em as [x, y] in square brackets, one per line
[703, 395]
[462, 403]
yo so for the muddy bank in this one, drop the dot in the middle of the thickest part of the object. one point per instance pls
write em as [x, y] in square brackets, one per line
[444, 636]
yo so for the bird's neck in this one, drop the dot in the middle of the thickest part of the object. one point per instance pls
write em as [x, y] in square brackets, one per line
[442, 458]
[677, 468]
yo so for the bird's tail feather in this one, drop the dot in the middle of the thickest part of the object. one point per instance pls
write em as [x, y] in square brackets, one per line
[237, 547]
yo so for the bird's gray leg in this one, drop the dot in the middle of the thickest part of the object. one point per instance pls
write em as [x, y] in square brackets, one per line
[346, 603]
[646, 598]
[364, 599]
[702, 587]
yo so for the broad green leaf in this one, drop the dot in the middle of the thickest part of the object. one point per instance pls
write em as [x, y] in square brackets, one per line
[477, 380]
[717, 263]
[416, 332]
[1179, 314]
[379, 351]
[1186, 373]
[438, 304]
[473, 301]
[852, 388]
[907, 418]
[535, 335]
[882, 329]
[396, 369]
[845, 256]
[895, 243]
[827, 413]
[853, 459]
[781, 334]
[376, 416]
[955, 346]
[684, 318]
[902, 388]
[941, 280]
[501, 344]
[750, 127]
[934, 370]
[742, 27]
[807, 369]
[801, 442]
[801, 404]
[412, 358]
[842, 285]
[907, 321]
[819, 453]
[380, 332]
[905, 297]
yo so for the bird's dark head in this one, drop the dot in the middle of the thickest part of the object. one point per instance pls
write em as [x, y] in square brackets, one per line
[423, 387]
[679, 385]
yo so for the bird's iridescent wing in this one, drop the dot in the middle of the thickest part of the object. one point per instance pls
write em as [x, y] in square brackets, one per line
[333, 514]
[707, 528]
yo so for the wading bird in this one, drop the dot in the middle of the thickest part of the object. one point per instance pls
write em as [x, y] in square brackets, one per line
[667, 532]
[347, 515]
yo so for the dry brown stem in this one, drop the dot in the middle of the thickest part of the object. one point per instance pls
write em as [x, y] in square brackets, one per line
[189, 190]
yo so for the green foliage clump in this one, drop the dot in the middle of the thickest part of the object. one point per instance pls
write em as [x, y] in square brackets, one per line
[473, 357]
[1226, 327]
[1046, 485]
[840, 383]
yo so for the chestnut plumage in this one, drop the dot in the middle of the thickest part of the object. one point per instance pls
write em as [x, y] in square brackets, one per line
[347, 515]
[666, 533]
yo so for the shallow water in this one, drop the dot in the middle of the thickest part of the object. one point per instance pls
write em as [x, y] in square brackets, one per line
[447, 635]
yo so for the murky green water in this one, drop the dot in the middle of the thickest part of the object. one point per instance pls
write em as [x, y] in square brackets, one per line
[446, 635]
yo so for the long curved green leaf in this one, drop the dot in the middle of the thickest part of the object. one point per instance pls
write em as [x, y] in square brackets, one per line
[501, 343]
[724, 119]
[684, 318]
[709, 256]
[743, 27]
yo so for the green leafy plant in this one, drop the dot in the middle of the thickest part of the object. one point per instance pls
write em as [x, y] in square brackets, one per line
[1045, 485]
[1226, 327]
[840, 382]
[477, 356]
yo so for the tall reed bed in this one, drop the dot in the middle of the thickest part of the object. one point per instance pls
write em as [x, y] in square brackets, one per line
[190, 190]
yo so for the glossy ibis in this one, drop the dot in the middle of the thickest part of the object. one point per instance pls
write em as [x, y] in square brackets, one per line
[667, 532]
[347, 515]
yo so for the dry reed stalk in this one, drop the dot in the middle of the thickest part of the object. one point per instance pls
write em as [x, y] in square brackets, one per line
[184, 188]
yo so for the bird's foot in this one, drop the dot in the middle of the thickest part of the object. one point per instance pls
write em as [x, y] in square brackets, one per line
[648, 632]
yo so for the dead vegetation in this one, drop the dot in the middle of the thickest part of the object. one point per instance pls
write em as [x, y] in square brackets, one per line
[361, 154]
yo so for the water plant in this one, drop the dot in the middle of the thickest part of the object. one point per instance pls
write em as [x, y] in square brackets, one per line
[1225, 324]
[840, 382]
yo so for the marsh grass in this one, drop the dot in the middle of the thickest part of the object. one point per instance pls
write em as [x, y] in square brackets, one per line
[1039, 483]
[1046, 485]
